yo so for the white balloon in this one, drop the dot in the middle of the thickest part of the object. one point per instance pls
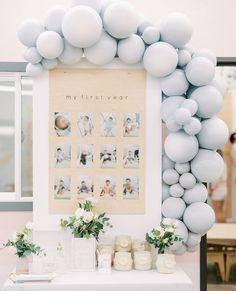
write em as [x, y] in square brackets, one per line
[182, 231]
[82, 26]
[54, 18]
[214, 134]
[166, 163]
[170, 176]
[160, 59]
[193, 127]
[120, 20]
[165, 191]
[126, 51]
[207, 166]
[182, 168]
[103, 52]
[182, 116]
[180, 251]
[50, 45]
[49, 64]
[175, 83]
[209, 101]
[187, 180]
[34, 70]
[199, 217]
[184, 57]
[32, 56]
[71, 55]
[151, 35]
[29, 31]
[206, 53]
[169, 106]
[180, 147]
[191, 105]
[193, 240]
[173, 207]
[176, 29]
[220, 84]
[143, 25]
[200, 71]
[198, 193]
[94, 4]
[189, 48]
[172, 125]
[105, 4]
[176, 190]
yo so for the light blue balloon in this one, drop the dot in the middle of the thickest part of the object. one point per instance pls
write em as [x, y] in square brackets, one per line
[175, 84]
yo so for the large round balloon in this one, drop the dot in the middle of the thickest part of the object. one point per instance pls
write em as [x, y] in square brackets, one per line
[126, 52]
[200, 71]
[34, 70]
[82, 26]
[170, 176]
[151, 35]
[32, 56]
[169, 106]
[95, 4]
[199, 217]
[176, 29]
[180, 147]
[175, 83]
[160, 59]
[209, 100]
[198, 193]
[71, 55]
[207, 54]
[207, 166]
[103, 52]
[173, 207]
[54, 18]
[120, 20]
[29, 31]
[214, 134]
[50, 45]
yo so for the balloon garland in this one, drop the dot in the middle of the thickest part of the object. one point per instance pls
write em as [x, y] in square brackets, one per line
[100, 30]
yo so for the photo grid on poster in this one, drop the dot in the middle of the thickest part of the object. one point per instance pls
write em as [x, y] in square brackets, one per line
[97, 139]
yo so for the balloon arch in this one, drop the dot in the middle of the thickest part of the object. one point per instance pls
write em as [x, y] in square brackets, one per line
[101, 30]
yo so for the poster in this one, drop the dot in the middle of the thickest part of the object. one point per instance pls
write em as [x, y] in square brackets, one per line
[97, 139]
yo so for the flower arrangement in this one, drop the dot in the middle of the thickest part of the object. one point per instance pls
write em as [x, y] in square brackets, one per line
[163, 236]
[86, 224]
[21, 243]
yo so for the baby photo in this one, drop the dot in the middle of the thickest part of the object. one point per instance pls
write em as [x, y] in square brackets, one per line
[62, 187]
[62, 123]
[62, 156]
[130, 187]
[108, 124]
[85, 187]
[85, 124]
[131, 156]
[107, 187]
[131, 124]
[108, 156]
[85, 156]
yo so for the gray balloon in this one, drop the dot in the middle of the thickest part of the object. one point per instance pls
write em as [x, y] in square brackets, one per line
[187, 180]
[189, 48]
[165, 191]
[193, 240]
[181, 147]
[49, 64]
[214, 134]
[176, 190]
[184, 57]
[160, 59]
[32, 55]
[71, 55]
[200, 71]
[181, 251]
[143, 25]
[182, 116]
[175, 83]
[191, 105]
[182, 231]
[207, 166]
[206, 53]
[198, 193]
[199, 217]
[172, 125]
[151, 35]
[94, 4]
[169, 106]
[167, 163]
[170, 176]
[173, 207]
[34, 70]
[193, 127]
[209, 101]
[182, 168]
[54, 17]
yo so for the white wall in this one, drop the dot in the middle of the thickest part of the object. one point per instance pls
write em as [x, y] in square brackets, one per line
[214, 21]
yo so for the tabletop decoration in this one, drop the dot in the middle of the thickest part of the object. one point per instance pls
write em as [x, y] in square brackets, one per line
[123, 261]
[86, 227]
[21, 244]
[142, 260]
[162, 238]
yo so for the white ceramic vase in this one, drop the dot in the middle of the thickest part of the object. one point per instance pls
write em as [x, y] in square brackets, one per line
[165, 263]
[22, 265]
[83, 254]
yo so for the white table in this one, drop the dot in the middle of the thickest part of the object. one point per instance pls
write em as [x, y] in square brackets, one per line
[116, 281]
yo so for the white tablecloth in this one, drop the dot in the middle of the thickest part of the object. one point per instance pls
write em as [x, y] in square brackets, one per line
[116, 281]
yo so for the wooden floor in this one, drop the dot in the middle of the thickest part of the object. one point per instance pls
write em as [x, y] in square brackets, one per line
[215, 284]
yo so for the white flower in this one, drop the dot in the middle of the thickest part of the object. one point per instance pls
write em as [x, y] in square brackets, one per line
[14, 236]
[160, 229]
[77, 223]
[93, 200]
[167, 221]
[88, 216]
[29, 225]
[170, 229]
[165, 240]
[79, 212]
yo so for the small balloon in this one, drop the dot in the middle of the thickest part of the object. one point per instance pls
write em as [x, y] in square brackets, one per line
[143, 25]
[191, 105]
[187, 180]
[169, 106]
[176, 190]
[172, 125]
[173, 207]
[193, 127]
[151, 35]
[182, 116]
[170, 176]
[54, 18]
[184, 57]
[71, 55]
[182, 168]
[49, 64]
[32, 55]
[34, 70]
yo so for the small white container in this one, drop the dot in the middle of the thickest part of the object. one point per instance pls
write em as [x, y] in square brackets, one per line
[165, 263]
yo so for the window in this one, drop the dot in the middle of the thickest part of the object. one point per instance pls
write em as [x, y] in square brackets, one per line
[15, 137]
